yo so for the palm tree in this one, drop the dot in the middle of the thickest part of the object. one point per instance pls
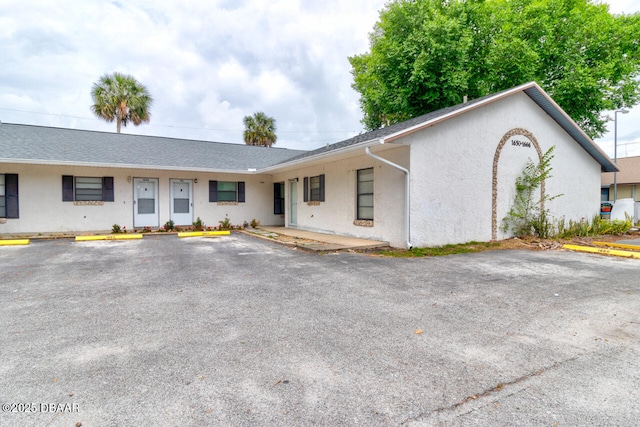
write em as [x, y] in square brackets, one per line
[260, 129]
[122, 98]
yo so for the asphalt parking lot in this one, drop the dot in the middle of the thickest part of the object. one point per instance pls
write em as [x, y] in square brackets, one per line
[239, 331]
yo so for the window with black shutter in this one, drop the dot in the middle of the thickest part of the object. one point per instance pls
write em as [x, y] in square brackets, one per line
[87, 188]
[226, 191]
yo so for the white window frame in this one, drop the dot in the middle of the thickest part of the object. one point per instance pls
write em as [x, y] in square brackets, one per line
[362, 193]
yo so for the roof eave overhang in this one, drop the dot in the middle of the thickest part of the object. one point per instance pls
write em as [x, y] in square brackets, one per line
[535, 93]
[402, 133]
[549, 106]
[531, 89]
[444, 117]
[333, 153]
[129, 166]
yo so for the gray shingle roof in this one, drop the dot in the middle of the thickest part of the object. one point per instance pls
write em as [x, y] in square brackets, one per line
[38, 144]
[535, 92]
[388, 130]
[68, 146]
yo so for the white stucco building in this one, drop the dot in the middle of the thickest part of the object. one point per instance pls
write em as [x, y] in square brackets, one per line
[445, 177]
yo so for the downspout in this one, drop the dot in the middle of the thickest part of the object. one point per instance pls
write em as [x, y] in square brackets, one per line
[407, 229]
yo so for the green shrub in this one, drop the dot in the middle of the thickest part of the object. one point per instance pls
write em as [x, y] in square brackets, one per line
[619, 227]
[198, 225]
[225, 224]
[526, 216]
[594, 227]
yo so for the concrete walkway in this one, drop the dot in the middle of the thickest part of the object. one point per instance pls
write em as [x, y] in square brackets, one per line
[313, 241]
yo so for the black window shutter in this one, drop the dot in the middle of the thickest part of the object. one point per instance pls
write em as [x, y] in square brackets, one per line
[213, 191]
[107, 189]
[276, 190]
[276, 198]
[11, 193]
[305, 188]
[67, 188]
[322, 188]
[240, 192]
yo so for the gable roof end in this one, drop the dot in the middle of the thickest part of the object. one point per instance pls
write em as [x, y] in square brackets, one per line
[398, 130]
[545, 102]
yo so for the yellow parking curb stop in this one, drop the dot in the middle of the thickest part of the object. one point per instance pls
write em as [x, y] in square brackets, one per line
[109, 237]
[603, 251]
[12, 242]
[618, 245]
[203, 233]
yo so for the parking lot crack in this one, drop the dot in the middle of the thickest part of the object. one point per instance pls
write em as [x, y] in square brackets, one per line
[490, 391]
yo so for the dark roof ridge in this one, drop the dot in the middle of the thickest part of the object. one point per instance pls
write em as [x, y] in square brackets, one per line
[122, 135]
[391, 129]
[531, 89]
[51, 145]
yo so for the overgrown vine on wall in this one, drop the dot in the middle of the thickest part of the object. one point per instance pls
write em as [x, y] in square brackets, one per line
[527, 216]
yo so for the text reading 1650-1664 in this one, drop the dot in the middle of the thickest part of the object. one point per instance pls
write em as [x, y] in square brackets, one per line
[519, 143]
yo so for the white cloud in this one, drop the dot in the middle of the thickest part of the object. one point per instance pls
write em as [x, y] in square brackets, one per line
[207, 63]
[623, 6]
[275, 88]
[232, 73]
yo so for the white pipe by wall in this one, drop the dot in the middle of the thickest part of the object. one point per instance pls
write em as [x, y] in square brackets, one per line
[407, 228]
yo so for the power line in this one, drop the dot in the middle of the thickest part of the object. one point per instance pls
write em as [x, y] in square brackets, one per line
[185, 127]
[48, 114]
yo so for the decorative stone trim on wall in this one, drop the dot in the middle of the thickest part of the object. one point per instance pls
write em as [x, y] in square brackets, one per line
[363, 222]
[313, 203]
[496, 158]
[89, 203]
[227, 203]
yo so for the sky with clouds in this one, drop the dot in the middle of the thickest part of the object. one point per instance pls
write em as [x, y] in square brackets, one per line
[206, 63]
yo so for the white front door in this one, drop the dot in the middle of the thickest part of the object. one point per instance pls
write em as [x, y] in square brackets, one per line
[181, 201]
[293, 203]
[145, 202]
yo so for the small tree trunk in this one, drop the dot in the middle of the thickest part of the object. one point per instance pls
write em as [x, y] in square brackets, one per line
[121, 111]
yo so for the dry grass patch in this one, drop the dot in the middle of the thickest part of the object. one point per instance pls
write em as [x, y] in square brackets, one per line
[527, 243]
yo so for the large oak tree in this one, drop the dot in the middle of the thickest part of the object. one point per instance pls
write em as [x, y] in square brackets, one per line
[427, 54]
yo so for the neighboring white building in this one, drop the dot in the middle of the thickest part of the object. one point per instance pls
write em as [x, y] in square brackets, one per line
[445, 177]
[624, 184]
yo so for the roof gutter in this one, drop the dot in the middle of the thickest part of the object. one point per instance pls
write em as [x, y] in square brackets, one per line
[407, 228]
[320, 156]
